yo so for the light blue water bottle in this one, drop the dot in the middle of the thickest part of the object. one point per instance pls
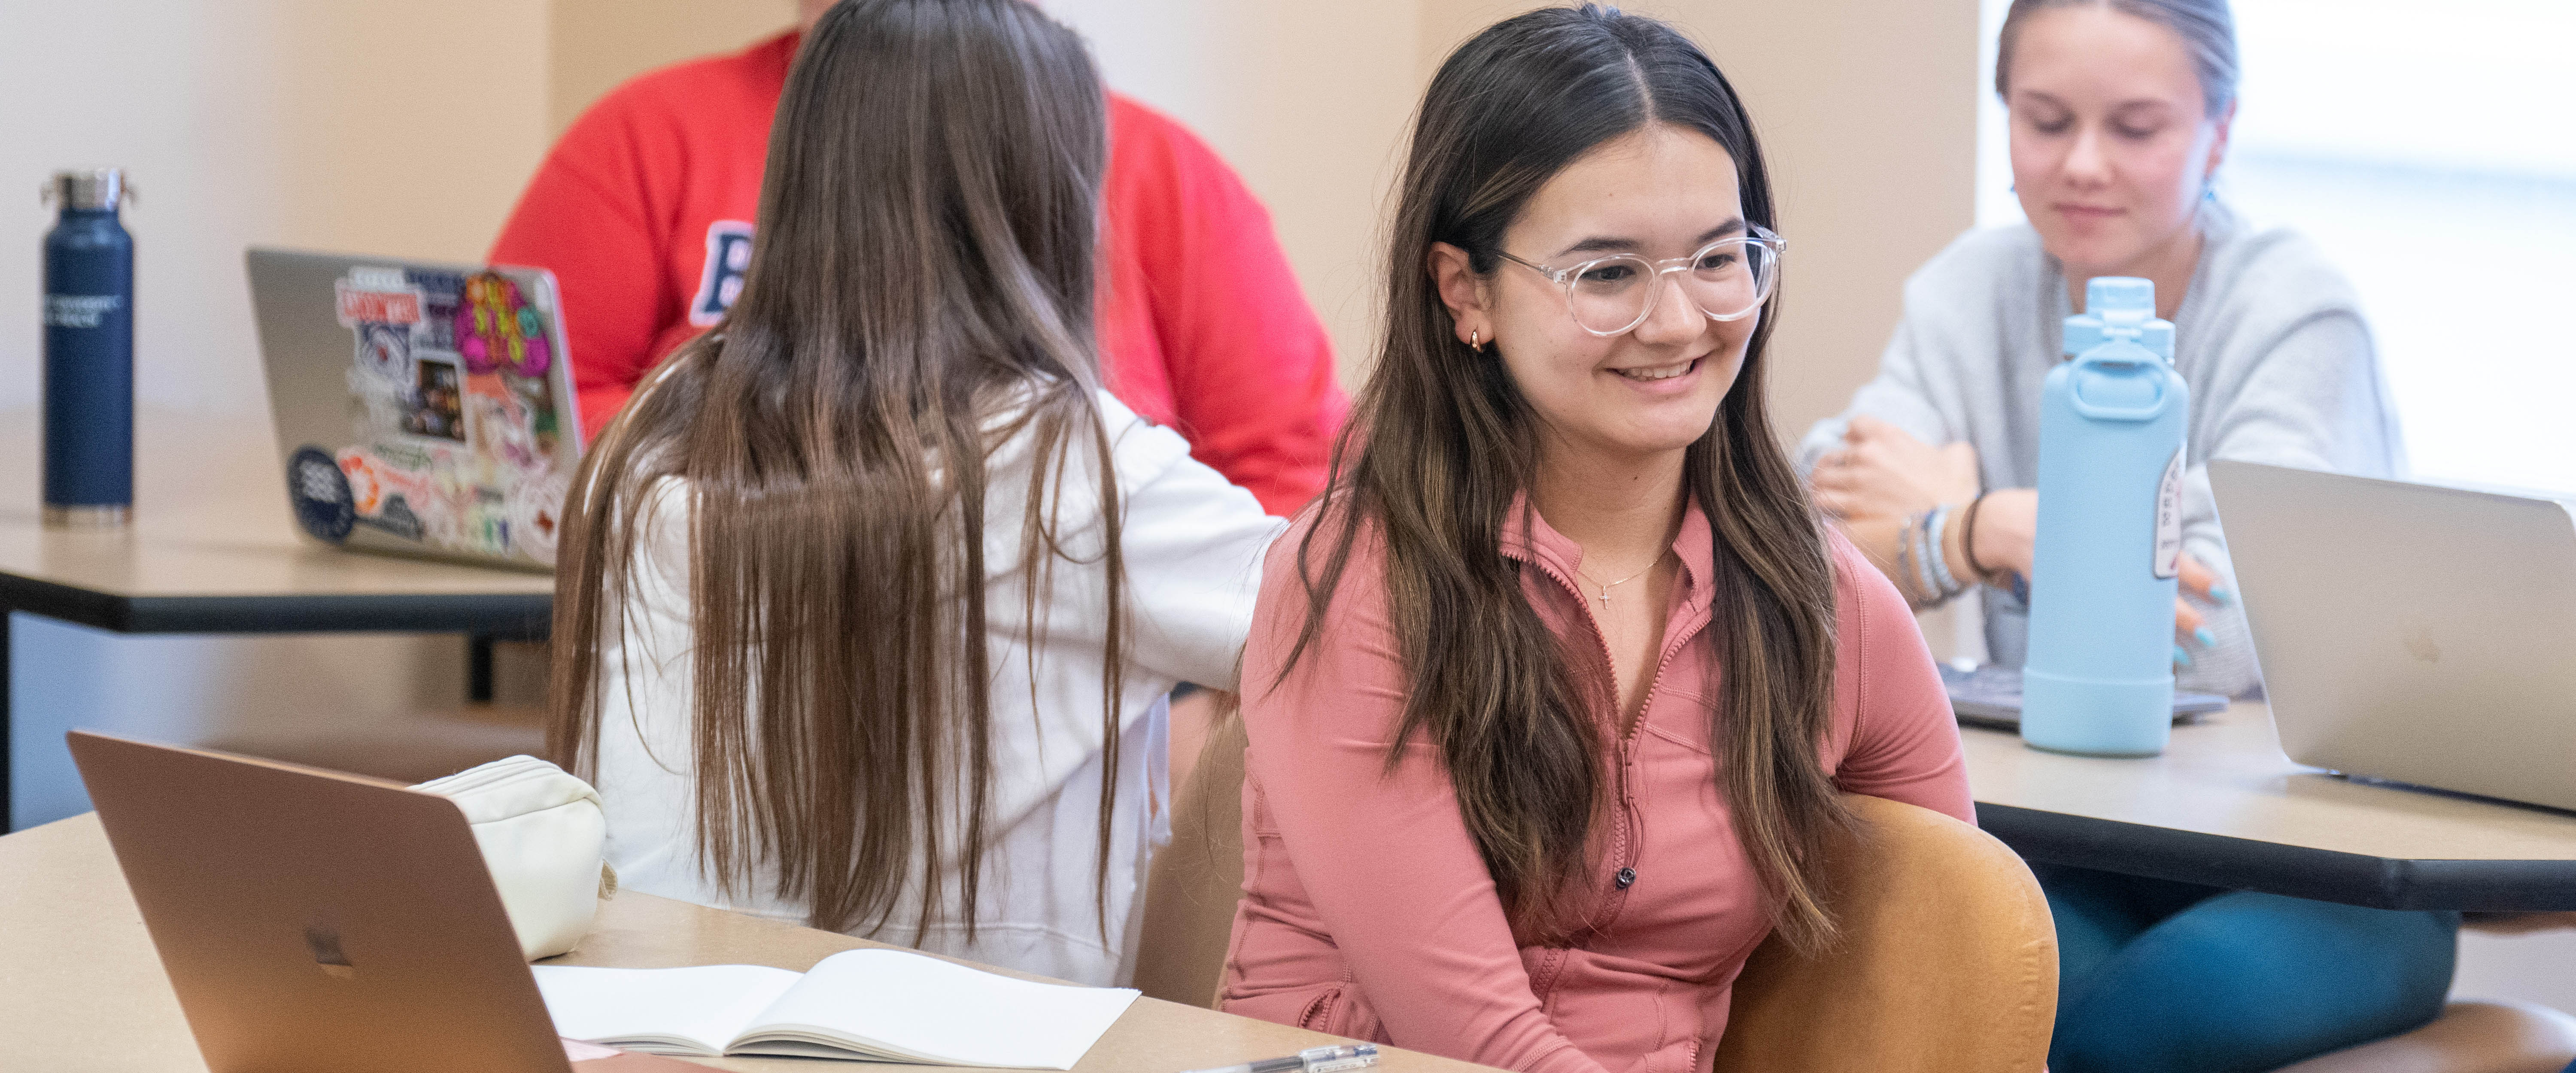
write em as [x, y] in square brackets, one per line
[2099, 675]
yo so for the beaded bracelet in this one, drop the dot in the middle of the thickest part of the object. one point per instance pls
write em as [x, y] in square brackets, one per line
[1904, 572]
[1922, 562]
[1949, 582]
[1908, 579]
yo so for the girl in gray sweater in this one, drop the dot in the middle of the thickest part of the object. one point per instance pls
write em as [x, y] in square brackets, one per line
[2268, 334]
[2120, 111]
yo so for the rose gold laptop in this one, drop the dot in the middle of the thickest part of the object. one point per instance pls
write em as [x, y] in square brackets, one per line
[315, 921]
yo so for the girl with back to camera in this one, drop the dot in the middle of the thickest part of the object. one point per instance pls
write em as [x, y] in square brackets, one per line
[1551, 696]
[853, 629]
[2120, 111]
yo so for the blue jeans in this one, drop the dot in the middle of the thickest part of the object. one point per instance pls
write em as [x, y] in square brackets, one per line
[2163, 977]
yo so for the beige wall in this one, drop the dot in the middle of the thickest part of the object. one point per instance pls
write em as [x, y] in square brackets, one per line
[1308, 100]
[593, 45]
[308, 123]
[1867, 112]
[1866, 108]
[313, 123]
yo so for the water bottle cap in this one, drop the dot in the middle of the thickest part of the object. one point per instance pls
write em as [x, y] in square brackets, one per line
[2158, 337]
[2107, 295]
[2121, 308]
[2083, 332]
[88, 189]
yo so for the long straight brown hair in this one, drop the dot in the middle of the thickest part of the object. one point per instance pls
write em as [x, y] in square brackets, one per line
[1442, 441]
[921, 290]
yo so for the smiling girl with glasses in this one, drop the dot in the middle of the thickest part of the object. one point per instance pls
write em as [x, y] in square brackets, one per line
[1551, 698]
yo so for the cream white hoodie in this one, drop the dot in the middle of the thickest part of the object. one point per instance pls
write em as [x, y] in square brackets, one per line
[1193, 546]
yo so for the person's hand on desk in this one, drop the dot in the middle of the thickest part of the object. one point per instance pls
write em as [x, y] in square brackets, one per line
[1884, 476]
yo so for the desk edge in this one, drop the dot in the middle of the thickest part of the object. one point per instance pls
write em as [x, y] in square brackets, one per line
[511, 615]
[2275, 868]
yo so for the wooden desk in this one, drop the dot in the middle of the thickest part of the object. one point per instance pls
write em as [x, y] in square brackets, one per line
[80, 986]
[2224, 807]
[212, 550]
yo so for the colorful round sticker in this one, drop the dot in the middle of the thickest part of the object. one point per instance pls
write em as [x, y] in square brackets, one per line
[496, 330]
[324, 504]
[536, 516]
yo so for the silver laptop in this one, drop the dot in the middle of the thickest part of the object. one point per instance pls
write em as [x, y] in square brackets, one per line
[2410, 632]
[421, 409]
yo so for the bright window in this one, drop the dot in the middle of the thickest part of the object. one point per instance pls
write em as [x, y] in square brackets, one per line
[2430, 150]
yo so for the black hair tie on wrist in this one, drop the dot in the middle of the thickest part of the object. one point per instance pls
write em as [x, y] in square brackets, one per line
[1968, 542]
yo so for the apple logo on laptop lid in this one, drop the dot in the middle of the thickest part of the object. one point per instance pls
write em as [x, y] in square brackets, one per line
[322, 937]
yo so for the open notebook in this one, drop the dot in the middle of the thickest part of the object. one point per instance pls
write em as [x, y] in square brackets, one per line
[869, 1005]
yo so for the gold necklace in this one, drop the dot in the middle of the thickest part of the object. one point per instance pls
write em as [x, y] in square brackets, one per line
[1605, 589]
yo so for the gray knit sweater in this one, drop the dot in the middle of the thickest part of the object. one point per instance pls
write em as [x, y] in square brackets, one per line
[2270, 336]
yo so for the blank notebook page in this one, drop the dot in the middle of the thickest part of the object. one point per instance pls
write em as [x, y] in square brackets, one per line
[708, 1004]
[961, 1015]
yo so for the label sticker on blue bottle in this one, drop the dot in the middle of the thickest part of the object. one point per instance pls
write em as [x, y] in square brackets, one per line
[324, 505]
[2169, 519]
[79, 310]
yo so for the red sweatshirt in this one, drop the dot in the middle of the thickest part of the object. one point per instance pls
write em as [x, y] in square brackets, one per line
[644, 211]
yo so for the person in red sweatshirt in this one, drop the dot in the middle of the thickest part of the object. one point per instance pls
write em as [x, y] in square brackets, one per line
[643, 211]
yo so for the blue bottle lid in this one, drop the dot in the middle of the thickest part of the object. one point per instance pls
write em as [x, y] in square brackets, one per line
[2123, 308]
[2083, 332]
[2158, 337]
[2107, 296]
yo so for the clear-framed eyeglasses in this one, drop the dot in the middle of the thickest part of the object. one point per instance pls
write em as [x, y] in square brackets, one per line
[1727, 280]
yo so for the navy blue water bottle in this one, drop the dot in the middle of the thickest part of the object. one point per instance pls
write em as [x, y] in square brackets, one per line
[89, 354]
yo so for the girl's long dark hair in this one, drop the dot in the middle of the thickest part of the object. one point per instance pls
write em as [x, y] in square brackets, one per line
[921, 289]
[1441, 443]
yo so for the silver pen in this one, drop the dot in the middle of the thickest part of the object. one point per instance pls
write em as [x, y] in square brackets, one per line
[1310, 1060]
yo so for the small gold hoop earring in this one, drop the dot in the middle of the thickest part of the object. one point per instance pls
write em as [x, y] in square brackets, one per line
[1475, 340]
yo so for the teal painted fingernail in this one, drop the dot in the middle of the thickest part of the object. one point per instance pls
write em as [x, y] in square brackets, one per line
[2219, 595]
[2182, 657]
[2206, 638]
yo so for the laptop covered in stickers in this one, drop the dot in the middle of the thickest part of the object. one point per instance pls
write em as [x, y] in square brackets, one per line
[421, 409]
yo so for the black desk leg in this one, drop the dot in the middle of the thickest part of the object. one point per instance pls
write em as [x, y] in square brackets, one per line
[478, 668]
[8, 738]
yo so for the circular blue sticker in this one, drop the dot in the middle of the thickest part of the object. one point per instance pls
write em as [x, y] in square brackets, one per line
[324, 506]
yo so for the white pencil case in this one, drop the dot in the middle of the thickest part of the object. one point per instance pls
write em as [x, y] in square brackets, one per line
[542, 833]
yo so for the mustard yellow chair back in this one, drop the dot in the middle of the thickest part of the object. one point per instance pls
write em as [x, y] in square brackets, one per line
[1195, 882]
[1948, 961]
